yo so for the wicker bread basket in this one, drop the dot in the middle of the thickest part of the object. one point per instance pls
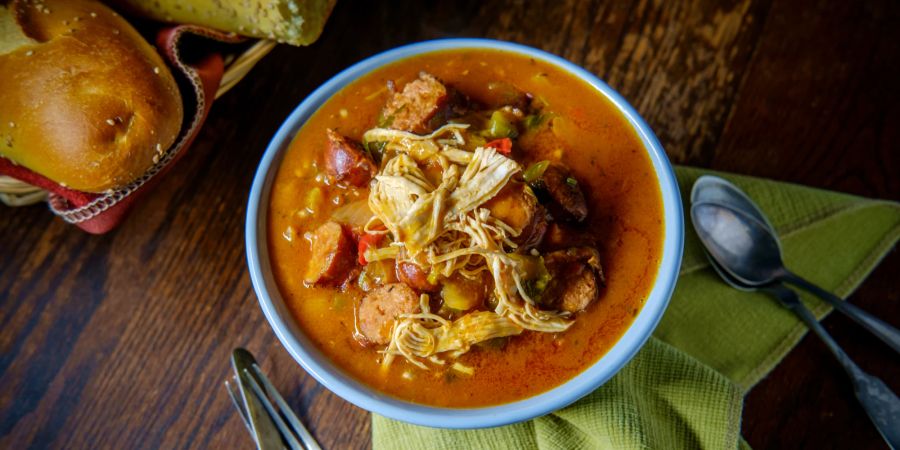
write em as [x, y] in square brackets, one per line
[17, 193]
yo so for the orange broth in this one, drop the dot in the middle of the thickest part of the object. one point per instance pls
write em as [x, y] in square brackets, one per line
[605, 155]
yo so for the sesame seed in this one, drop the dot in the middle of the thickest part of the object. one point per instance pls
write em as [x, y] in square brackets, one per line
[110, 122]
[116, 32]
[63, 184]
[29, 53]
[93, 14]
[159, 147]
[156, 70]
[155, 159]
[12, 124]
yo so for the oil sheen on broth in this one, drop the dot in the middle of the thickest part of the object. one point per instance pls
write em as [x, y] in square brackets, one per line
[587, 134]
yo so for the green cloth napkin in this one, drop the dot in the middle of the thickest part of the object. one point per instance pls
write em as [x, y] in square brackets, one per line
[685, 388]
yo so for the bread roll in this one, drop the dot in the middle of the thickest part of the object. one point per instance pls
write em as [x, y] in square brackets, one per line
[295, 22]
[84, 99]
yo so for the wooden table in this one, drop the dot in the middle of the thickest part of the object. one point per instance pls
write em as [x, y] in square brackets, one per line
[122, 340]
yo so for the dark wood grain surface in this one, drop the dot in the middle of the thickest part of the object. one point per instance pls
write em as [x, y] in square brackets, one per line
[122, 340]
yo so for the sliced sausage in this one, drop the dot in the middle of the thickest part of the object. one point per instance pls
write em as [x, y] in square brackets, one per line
[533, 233]
[332, 256]
[517, 207]
[414, 277]
[422, 105]
[346, 160]
[566, 199]
[577, 278]
[381, 307]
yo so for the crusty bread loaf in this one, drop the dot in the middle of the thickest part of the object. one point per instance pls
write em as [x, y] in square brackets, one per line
[295, 22]
[84, 99]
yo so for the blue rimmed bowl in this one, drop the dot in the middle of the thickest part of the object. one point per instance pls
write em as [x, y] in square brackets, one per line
[320, 366]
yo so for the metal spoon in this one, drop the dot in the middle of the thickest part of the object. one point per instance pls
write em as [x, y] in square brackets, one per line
[879, 402]
[747, 247]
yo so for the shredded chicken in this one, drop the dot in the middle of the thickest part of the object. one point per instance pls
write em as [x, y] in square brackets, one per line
[445, 227]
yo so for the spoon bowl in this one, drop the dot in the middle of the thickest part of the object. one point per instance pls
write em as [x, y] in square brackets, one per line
[741, 245]
[712, 189]
[727, 278]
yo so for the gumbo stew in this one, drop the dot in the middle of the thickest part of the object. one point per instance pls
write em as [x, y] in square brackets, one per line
[465, 228]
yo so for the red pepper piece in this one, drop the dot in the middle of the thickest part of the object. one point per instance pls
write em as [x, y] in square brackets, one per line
[503, 146]
[365, 241]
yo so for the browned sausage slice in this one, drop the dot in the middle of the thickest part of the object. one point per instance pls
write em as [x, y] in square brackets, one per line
[414, 277]
[381, 307]
[567, 199]
[347, 161]
[421, 105]
[332, 255]
[577, 278]
[517, 207]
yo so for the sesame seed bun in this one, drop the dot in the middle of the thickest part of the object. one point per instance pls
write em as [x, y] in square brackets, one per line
[87, 102]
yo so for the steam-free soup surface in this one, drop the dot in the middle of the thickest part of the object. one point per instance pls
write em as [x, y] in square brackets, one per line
[584, 132]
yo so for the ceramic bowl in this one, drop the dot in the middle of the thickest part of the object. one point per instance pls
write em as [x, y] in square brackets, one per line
[320, 366]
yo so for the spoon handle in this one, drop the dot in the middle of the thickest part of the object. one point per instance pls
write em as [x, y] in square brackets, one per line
[876, 326]
[879, 402]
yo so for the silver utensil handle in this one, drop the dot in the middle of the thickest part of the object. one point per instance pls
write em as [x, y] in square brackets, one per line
[876, 326]
[273, 426]
[879, 402]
